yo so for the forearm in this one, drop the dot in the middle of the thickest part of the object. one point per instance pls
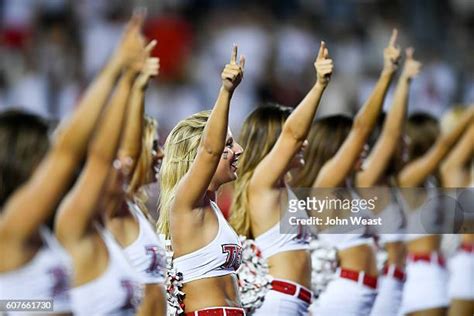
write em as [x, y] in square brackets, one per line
[367, 115]
[462, 152]
[416, 172]
[214, 135]
[379, 158]
[299, 122]
[109, 131]
[132, 139]
[75, 133]
[449, 139]
[397, 113]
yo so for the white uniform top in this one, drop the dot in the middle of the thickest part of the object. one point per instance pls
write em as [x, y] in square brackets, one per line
[46, 276]
[425, 216]
[222, 256]
[146, 254]
[393, 219]
[357, 236]
[282, 237]
[117, 291]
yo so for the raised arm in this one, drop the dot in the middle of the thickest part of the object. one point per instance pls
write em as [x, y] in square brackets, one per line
[337, 169]
[195, 183]
[389, 138]
[296, 128]
[456, 160]
[130, 145]
[35, 202]
[80, 206]
[416, 172]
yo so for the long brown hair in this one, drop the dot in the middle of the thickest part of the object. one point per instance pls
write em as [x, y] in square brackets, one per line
[423, 131]
[325, 138]
[259, 134]
[23, 143]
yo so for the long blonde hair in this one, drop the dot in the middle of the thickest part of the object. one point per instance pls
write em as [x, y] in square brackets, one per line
[180, 150]
[259, 134]
[142, 173]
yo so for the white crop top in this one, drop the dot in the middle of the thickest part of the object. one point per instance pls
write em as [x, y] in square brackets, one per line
[146, 254]
[285, 237]
[393, 219]
[222, 256]
[117, 291]
[356, 236]
[423, 220]
[46, 276]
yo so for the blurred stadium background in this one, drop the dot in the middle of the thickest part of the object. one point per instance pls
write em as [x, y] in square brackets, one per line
[51, 49]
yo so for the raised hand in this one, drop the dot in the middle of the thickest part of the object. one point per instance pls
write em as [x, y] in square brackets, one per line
[391, 54]
[411, 67]
[132, 43]
[233, 72]
[147, 66]
[323, 65]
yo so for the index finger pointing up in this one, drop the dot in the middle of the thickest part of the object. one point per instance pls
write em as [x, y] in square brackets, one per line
[393, 38]
[233, 57]
[322, 48]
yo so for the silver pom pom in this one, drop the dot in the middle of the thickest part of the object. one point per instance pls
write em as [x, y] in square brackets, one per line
[254, 280]
[324, 265]
[174, 284]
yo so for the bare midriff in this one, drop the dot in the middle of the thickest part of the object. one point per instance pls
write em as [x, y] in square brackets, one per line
[211, 292]
[359, 258]
[293, 266]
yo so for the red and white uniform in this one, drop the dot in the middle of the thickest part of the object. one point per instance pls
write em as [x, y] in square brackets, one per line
[222, 256]
[351, 292]
[146, 254]
[117, 291]
[45, 277]
[286, 297]
[390, 284]
[425, 286]
[461, 274]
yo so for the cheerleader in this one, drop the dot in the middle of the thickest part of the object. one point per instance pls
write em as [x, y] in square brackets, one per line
[33, 268]
[201, 155]
[336, 146]
[103, 281]
[125, 218]
[275, 139]
[425, 264]
[455, 174]
[380, 168]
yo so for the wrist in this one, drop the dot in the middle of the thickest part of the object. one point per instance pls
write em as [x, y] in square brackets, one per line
[321, 85]
[405, 78]
[226, 90]
[116, 64]
[388, 70]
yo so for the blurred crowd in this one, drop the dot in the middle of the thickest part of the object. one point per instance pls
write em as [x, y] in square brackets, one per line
[50, 50]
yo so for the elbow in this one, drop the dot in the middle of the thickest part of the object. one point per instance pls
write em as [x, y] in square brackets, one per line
[290, 132]
[211, 145]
